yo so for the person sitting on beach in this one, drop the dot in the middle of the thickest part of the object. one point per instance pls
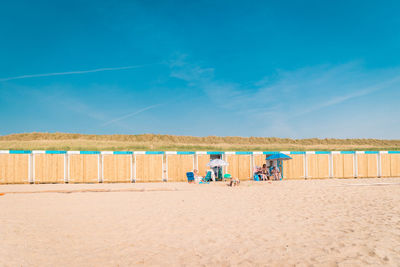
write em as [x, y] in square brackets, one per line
[271, 168]
[276, 173]
[265, 172]
[258, 172]
[197, 177]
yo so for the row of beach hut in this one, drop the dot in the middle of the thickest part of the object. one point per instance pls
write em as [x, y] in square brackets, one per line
[22, 166]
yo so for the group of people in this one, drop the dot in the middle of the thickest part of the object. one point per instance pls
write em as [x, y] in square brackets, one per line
[264, 173]
[198, 179]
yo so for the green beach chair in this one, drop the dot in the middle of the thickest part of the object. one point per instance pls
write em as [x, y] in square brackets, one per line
[207, 178]
[227, 176]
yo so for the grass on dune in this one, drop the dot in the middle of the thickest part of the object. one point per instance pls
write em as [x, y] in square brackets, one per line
[66, 141]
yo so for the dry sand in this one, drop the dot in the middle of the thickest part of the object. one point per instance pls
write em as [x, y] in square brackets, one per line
[304, 223]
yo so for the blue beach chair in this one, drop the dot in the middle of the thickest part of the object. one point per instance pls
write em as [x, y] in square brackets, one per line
[190, 177]
[256, 177]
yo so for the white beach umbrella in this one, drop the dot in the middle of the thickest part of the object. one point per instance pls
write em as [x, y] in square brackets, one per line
[217, 163]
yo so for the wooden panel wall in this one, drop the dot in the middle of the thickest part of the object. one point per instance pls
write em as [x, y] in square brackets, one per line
[390, 165]
[362, 165]
[117, 168]
[149, 168]
[49, 168]
[239, 166]
[343, 165]
[178, 166]
[294, 168]
[385, 165]
[202, 161]
[83, 168]
[367, 165]
[395, 165]
[14, 168]
[372, 165]
[259, 160]
[318, 166]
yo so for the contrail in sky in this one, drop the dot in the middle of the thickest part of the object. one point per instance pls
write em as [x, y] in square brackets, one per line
[130, 114]
[71, 72]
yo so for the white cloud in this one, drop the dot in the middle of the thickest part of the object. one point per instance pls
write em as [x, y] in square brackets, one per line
[284, 97]
[70, 72]
[130, 115]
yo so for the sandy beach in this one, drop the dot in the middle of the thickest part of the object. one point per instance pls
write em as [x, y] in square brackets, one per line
[353, 222]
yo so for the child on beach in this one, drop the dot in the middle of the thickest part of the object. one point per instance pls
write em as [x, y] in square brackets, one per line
[276, 174]
[234, 182]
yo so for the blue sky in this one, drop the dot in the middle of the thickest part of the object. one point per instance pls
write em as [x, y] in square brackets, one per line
[295, 69]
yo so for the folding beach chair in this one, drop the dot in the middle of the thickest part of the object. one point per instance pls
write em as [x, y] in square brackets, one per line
[227, 176]
[207, 178]
[256, 177]
[190, 177]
